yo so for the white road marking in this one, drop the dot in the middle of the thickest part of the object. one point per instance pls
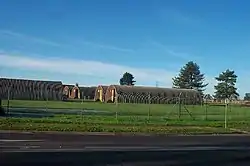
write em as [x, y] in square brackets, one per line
[111, 149]
[20, 147]
[133, 148]
[16, 140]
[127, 149]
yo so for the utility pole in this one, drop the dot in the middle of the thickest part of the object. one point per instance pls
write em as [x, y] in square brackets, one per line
[156, 84]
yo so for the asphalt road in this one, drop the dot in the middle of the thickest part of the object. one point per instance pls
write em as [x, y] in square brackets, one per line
[92, 149]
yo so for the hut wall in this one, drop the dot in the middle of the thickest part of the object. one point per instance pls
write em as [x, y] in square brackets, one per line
[88, 92]
[66, 91]
[75, 93]
[111, 93]
[100, 93]
[20, 89]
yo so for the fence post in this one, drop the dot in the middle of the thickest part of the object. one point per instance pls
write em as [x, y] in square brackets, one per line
[179, 100]
[47, 98]
[149, 108]
[82, 115]
[226, 107]
[82, 96]
[116, 110]
[8, 102]
[206, 112]
[205, 101]
[1, 105]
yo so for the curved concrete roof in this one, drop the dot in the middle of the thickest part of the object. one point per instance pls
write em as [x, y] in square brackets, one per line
[151, 90]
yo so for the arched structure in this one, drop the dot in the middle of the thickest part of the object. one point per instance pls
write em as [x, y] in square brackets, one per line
[21, 89]
[100, 93]
[88, 92]
[66, 92]
[75, 93]
[154, 95]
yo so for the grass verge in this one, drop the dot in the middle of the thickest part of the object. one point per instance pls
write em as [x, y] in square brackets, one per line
[54, 124]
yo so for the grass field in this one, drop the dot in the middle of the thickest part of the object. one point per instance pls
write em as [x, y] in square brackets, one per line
[143, 118]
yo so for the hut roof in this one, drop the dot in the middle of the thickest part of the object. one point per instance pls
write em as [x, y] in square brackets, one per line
[151, 90]
[20, 79]
[87, 88]
[24, 82]
[69, 86]
[10, 82]
[28, 87]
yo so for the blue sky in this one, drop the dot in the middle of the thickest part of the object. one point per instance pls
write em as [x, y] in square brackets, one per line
[94, 42]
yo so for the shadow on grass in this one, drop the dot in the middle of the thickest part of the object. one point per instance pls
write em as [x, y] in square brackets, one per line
[2, 111]
[40, 113]
[28, 115]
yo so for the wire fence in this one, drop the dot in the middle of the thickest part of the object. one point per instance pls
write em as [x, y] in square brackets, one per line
[149, 99]
[149, 108]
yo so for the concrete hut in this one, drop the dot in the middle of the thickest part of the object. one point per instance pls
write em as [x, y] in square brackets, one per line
[100, 93]
[88, 92]
[21, 89]
[75, 92]
[66, 91]
[153, 95]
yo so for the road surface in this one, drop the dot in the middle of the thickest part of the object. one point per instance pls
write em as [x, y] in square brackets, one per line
[116, 149]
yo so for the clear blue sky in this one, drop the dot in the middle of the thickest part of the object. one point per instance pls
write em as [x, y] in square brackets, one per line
[93, 42]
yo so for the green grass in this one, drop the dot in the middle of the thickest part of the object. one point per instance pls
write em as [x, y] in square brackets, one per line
[132, 118]
[104, 126]
[170, 111]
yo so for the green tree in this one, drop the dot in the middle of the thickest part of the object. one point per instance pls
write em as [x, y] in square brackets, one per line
[247, 96]
[127, 79]
[190, 77]
[226, 85]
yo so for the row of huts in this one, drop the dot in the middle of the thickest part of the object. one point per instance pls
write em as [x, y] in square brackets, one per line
[30, 89]
[20, 89]
[142, 94]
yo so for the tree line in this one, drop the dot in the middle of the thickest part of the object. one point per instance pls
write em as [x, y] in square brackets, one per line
[190, 77]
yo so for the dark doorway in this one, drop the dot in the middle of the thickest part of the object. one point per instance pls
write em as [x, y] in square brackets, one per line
[76, 93]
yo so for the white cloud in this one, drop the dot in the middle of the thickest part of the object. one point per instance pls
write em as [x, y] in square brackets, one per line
[211, 83]
[55, 44]
[173, 53]
[179, 17]
[109, 47]
[99, 71]
[91, 68]
[30, 38]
